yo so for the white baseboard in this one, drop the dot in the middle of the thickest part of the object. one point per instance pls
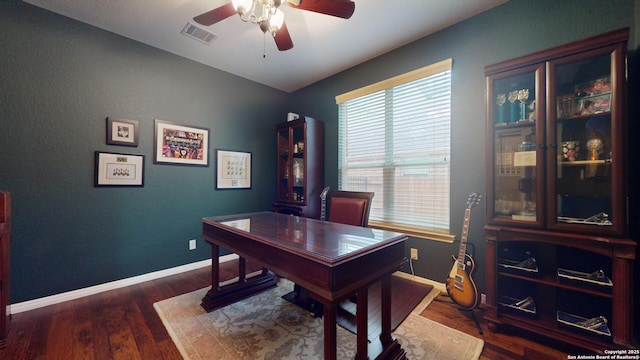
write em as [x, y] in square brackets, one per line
[92, 290]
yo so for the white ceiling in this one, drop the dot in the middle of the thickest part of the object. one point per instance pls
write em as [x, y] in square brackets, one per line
[323, 45]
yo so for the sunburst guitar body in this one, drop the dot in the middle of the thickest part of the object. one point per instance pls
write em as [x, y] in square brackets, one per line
[460, 284]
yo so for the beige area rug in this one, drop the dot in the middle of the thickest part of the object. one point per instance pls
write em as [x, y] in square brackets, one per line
[265, 326]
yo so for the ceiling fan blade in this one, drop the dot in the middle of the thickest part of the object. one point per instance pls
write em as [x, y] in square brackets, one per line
[339, 8]
[215, 15]
[283, 39]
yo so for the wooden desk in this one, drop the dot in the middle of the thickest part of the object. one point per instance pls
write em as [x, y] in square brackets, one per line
[333, 261]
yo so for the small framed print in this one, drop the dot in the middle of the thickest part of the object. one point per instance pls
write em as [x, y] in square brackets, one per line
[180, 145]
[233, 169]
[122, 132]
[118, 169]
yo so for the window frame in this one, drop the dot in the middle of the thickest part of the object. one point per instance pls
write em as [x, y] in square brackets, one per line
[433, 69]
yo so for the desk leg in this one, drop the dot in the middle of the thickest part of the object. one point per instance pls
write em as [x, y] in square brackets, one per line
[242, 270]
[219, 296]
[385, 300]
[391, 348]
[362, 314]
[215, 268]
[330, 332]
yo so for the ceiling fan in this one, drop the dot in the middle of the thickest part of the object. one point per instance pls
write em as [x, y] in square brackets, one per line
[265, 13]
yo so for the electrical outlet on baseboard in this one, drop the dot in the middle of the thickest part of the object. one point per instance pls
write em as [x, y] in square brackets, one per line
[414, 254]
[192, 244]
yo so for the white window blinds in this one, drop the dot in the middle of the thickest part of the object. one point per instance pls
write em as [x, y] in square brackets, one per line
[394, 139]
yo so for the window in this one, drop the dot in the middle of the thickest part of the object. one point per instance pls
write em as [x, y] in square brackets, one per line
[394, 139]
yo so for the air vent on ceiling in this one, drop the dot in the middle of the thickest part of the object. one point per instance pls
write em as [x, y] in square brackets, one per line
[197, 33]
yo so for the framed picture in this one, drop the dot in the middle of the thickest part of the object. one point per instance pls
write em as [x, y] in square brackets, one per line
[233, 169]
[119, 169]
[122, 132]
[180, 144]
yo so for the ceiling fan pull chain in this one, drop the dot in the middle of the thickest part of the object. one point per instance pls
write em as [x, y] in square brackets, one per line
[264, 46]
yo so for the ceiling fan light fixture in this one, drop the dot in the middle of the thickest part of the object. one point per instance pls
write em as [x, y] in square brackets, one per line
[243, 7]
[277, 19]
[270, 18]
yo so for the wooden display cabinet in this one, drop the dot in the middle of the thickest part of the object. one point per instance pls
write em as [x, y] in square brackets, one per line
[559, 262]
[300, 167]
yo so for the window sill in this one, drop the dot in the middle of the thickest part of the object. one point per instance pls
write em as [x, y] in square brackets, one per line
[414, 232]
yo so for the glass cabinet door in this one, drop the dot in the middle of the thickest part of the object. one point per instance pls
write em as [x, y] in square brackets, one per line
[298, 163]
[516, 103]
[585, 156]
[284, 170]
[291, 164]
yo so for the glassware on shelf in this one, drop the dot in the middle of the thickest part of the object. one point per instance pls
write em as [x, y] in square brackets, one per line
[523, 95]
[513, 96]
[500, 100]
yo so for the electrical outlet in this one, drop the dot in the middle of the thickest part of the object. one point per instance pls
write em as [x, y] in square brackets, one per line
[414, 254]
[192, 244]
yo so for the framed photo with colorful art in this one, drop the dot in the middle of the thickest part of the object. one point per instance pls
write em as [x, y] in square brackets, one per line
[180, 144]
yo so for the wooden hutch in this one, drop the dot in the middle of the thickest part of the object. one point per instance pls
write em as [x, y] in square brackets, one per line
[558, 259]
[300, 167]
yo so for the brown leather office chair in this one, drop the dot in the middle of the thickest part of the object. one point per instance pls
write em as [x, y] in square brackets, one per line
[349, 207]
[345, 207]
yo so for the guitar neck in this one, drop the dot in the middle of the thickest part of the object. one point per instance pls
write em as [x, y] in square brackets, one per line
[465, 235]
[323, 203]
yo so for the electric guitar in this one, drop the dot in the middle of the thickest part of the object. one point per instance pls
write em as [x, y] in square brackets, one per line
[460, 285]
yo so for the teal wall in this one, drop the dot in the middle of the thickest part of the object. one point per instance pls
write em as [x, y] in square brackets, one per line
[60, 79]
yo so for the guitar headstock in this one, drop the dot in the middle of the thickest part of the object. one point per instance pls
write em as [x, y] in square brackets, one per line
[473, 200]
[323, 194]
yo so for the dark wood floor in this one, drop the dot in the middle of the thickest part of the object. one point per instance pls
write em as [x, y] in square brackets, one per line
[501, 345]
[122, 324]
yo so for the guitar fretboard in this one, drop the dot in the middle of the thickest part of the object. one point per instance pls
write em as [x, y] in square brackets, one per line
[463, 238]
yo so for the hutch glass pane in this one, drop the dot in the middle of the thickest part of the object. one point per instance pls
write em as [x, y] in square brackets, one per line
[514, 119]
[298, 170]
[583, 138]
[283, 165]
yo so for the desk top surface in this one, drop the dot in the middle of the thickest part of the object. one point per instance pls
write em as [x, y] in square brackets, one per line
[332, 241]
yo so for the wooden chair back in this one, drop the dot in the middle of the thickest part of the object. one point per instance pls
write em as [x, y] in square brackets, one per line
[349, 207]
